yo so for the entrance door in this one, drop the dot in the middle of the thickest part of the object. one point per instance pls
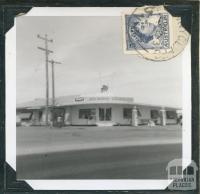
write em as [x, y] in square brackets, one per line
[105, 114]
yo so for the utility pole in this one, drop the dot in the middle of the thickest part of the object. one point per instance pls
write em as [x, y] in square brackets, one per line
[53, 88]
[53, 80]
[47, 52]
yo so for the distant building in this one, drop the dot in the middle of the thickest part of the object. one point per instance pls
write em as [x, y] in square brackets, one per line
[102, 109]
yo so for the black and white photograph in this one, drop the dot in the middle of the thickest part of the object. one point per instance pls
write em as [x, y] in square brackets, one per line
[88, 110]
[106, 115]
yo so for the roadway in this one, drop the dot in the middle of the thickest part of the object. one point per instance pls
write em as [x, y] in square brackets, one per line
[131, 162]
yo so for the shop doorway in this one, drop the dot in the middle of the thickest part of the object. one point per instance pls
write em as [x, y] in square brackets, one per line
[105, 114]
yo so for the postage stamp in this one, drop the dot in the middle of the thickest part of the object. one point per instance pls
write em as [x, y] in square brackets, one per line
[153, 33]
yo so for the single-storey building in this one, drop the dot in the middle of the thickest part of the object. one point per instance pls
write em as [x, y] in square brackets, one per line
[102, 109]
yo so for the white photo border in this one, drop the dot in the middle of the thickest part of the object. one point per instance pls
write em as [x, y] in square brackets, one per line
[135, 184]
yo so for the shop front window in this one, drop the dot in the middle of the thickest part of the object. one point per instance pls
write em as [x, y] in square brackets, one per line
[127, 113]
[171, 114]
[87, 113]
[154, 114]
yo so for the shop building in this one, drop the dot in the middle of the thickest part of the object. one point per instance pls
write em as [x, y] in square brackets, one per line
[103, 109]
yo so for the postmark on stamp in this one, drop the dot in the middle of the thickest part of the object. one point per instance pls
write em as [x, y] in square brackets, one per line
[153, 33]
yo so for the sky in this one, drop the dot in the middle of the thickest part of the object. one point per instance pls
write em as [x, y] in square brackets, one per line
[91, 52]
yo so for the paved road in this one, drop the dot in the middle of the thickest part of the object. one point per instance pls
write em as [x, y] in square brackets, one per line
[32, 140]
[132, 162]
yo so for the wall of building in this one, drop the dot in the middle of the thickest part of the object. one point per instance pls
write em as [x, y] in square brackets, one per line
[35, 117]
[43, 118]
[171, 121]
[117, 115]
[75, 120]
[71, 115]
[146, 114]
[68, 116]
